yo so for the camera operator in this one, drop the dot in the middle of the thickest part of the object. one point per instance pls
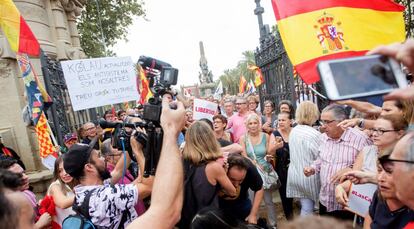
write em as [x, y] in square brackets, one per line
[167, 193]
[110, 205]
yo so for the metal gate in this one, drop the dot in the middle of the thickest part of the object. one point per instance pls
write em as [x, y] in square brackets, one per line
[280, 83]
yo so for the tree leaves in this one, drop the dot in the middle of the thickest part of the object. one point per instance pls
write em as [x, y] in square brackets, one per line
[115, 16]
[231, 77]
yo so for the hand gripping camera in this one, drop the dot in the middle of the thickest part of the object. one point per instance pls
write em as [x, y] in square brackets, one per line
[161, 76]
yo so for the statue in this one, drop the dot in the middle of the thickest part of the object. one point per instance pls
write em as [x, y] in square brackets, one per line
[205, 76]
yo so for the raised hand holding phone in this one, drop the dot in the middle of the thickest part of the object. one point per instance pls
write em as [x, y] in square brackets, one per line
[360, 76]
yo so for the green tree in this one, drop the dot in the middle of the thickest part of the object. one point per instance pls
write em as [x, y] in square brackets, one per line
[231, 77]
[110, 17]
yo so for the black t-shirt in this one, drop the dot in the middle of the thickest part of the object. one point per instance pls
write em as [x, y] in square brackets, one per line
[223, 143]
[88, 141]
[282, 157]
[252, 181]
[382, 217]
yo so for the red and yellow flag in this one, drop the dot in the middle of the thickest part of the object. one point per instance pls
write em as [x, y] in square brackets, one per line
[46, 147]
[126, 106]
[258, 76]
[317, 30]
[242, 84]
[144, 88]
[18, 33]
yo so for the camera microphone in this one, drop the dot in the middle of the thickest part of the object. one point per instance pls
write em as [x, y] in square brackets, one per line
[150, 62]
[105, 124]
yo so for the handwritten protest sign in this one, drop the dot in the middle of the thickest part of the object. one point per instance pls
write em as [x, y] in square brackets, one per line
[204, 109]
[360, 197]
[101, 81]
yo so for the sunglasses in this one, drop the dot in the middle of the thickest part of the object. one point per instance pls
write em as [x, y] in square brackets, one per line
[388, 163]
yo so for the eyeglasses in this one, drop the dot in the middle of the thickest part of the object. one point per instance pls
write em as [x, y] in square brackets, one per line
[326, 122]
[388, 163]
[381, 132]
[240, 103]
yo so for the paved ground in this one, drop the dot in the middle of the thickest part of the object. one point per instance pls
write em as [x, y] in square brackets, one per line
[279, 209]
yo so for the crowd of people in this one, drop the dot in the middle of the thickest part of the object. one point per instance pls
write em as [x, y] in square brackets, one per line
[216, 173]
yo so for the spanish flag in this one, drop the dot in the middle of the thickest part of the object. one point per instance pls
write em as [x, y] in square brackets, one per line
[258, 78]
[18, 33]
[242, 84]
[316, 30]
[144, 88]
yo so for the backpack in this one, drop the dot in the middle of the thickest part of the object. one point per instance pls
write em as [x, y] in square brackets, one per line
[81, 220]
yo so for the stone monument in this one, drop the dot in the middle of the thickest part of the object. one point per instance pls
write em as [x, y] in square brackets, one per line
[53, 22]
[205, 76]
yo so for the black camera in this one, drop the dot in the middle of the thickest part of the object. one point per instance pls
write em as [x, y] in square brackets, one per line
[121, 136]
[161, 76]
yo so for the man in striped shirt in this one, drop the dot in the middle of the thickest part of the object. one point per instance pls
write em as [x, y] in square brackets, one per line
[338, 150]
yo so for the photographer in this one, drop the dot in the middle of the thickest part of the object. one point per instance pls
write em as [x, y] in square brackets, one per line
[110, 205]
[165, 208]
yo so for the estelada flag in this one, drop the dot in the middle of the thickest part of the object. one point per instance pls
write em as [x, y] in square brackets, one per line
[144, 88]
[37, 97]
[242, 84]
[18, 33]
[316, 30]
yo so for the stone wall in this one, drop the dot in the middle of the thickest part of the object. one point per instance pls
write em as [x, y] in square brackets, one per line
[54, 24]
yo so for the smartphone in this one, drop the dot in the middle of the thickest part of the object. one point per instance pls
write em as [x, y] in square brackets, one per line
[358, 77]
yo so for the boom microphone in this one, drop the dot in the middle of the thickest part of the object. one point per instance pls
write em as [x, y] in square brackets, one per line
[105, 124]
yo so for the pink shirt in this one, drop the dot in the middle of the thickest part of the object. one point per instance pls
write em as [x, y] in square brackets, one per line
[334, 155]
[237, 123]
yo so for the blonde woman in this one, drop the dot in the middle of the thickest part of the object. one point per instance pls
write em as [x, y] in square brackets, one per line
[303, 149]
[254, 144]
[201, 152]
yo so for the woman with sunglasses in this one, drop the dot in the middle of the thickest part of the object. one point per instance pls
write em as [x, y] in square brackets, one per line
[388, 129]
[386, 211]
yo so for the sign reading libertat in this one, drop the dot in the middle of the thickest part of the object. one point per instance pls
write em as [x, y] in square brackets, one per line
[204, 109]
[360, 197]
[100, 81]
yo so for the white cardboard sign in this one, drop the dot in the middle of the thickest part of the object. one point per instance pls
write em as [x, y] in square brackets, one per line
[360, 197]
[100, 81]
[204, 109]
[49, 162]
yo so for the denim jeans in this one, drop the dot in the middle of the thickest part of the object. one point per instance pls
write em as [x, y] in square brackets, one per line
[307, 206]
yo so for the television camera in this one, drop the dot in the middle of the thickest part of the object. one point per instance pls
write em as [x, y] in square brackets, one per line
[161, 77]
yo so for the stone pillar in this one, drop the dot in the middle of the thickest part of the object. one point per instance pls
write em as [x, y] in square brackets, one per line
[53, 22]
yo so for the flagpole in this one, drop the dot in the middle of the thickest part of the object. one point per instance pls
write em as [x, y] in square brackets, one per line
[52, 136]
[316, 92]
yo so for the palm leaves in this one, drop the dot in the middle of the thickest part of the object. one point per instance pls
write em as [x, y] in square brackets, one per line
[231, 77]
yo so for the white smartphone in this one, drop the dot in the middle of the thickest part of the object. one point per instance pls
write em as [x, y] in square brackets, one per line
[360, 76]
